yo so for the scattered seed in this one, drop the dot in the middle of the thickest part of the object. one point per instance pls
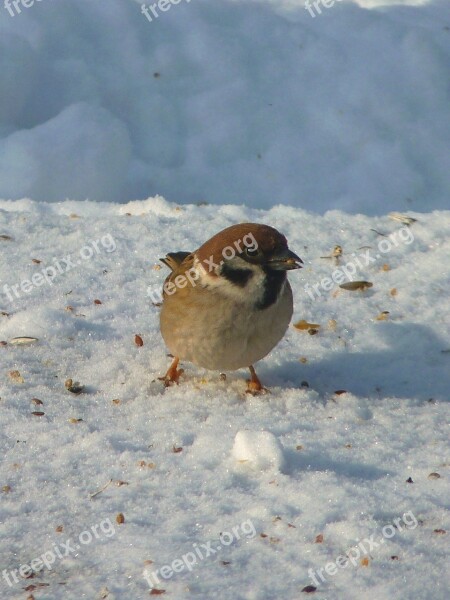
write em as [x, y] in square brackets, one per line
[313, 331]
[434, 476]
[6, 238]
[32, 587]
[393, 292]
[356, 285]
[319, 538]
[59, 529]
[439, 531]
[309, 589]
[383, 316]
[116, 401]
[365, 562]
[340, 392]
[73, 420]
[138, 340]
[100, 490]
[36, 261]
[303, 360]
[394, 557]
[149, 465]
[402, 218]
[379, 232]
[299, 447]
[21, 341]
[176, 449]
[6, 489]
[332, 324]
[409, 480]
[3, 343]
[385, 267]
[156, 592]
[73, 386]
[38, 413]
[16, 377]
[336, 253]
[97, 301]
[120, 519]
[303, 325]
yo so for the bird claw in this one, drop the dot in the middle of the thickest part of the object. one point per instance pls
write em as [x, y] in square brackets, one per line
[173, 374]
[255, 388]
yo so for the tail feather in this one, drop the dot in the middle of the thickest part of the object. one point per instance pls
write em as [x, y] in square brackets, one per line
[174, 259]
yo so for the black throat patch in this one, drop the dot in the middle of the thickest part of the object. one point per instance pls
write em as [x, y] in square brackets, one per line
[273, 284]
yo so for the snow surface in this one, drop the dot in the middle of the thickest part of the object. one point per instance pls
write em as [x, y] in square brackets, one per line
[253, 102]
[340, 462]
[232, 110]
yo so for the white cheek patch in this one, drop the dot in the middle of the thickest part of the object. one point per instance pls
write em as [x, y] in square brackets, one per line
[252, 292]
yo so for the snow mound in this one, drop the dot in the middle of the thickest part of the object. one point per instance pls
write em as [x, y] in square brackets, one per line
[260, 449]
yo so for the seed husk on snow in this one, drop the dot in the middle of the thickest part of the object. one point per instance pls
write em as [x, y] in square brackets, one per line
[16, 377]
[73, 386]
[22, 341]
[303, 325]
[356, 285]
[383, 315]
[396, 216]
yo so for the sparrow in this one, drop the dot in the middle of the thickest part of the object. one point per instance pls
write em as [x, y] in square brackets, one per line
[228, 304]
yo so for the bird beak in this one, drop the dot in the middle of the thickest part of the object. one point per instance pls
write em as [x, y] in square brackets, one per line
[286, 260]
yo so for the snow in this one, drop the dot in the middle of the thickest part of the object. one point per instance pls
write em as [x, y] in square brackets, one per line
[315, 462]
[228, 102]
[260, 449]
[123, 139]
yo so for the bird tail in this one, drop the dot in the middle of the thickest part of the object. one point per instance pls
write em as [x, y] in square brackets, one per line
[174, 259]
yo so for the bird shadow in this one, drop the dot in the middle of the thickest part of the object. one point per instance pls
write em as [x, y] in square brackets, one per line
[318, 461]
[413, 363]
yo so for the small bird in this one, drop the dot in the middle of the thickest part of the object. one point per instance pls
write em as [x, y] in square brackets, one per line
[229, 303]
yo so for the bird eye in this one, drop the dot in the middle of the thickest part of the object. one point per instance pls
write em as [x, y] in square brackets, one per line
[251, 252]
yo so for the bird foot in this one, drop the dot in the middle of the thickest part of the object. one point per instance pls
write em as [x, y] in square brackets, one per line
[173, 374]
[254, 386]
[256, 390]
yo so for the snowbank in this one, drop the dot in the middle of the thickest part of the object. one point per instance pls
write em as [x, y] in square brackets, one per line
[228, 102]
